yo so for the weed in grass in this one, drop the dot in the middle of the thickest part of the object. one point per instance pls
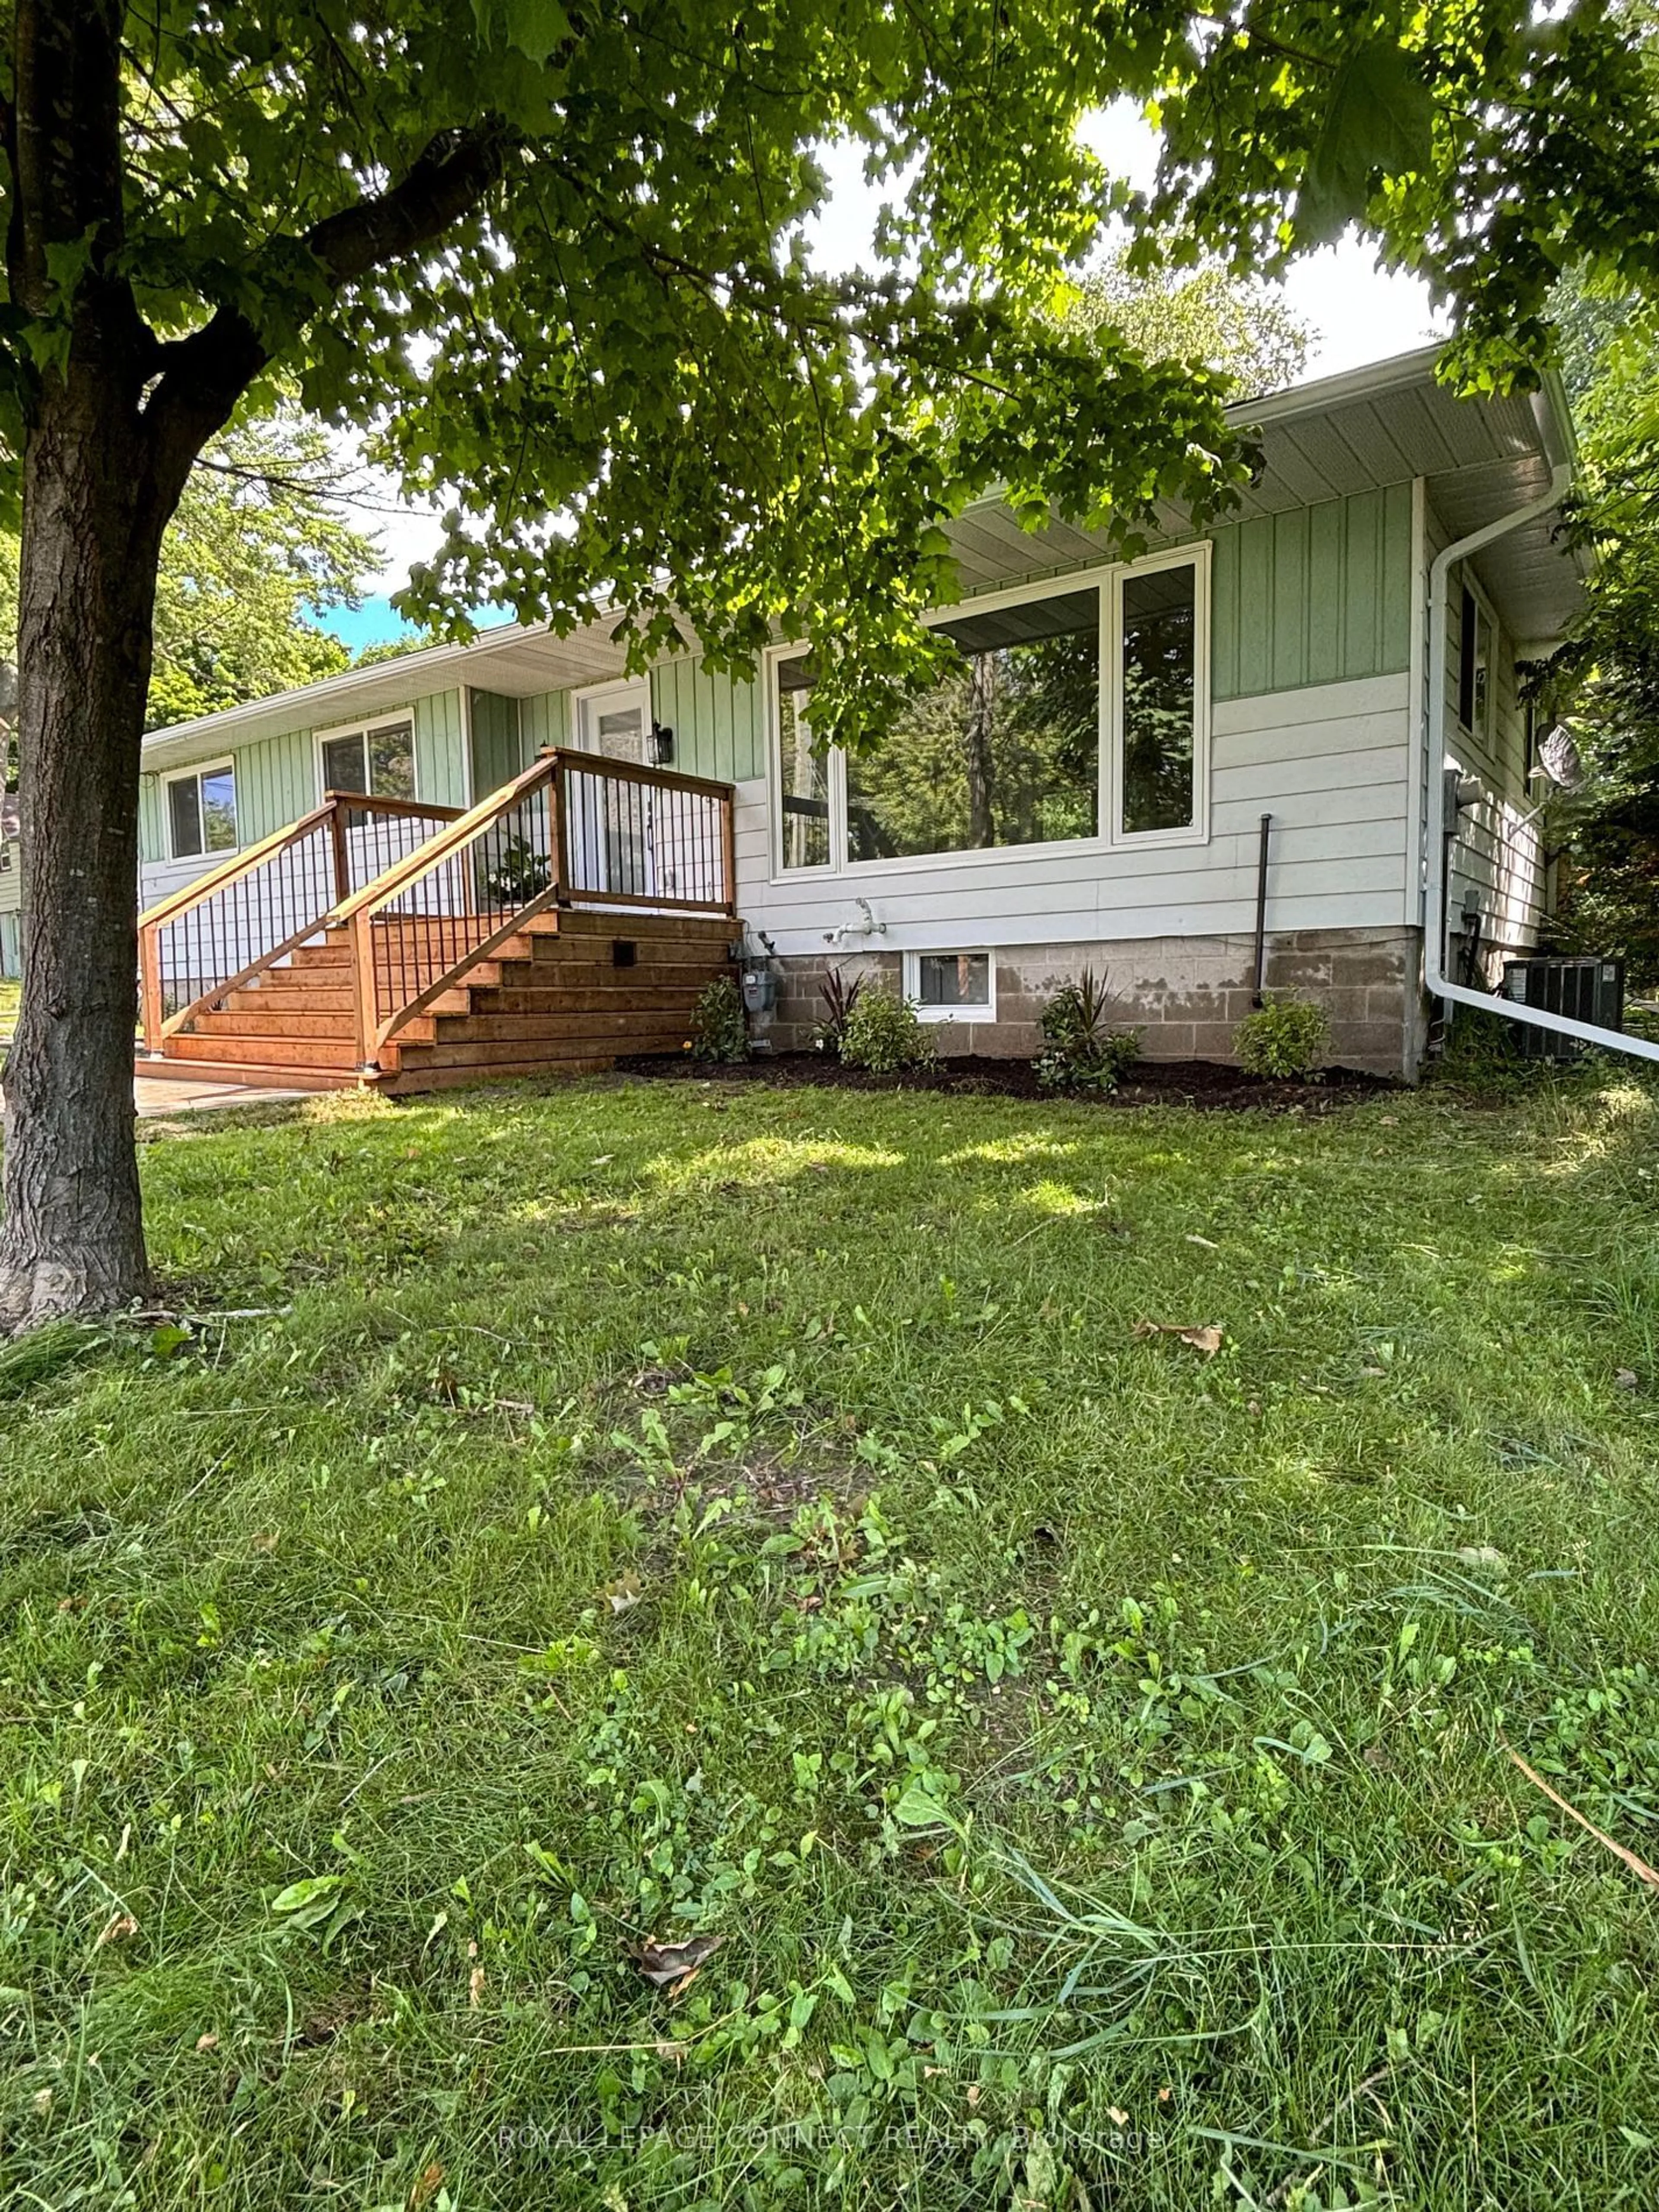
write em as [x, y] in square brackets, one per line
[646, 1526]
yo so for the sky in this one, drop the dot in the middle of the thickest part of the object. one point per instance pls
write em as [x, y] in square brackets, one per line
[1357, 312]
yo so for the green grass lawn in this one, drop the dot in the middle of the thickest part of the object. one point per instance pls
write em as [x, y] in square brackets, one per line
[656, 1512]
[9, 988]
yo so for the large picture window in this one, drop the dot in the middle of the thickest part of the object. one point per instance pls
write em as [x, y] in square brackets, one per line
[378, 760]
[202, 811]
[1063, 713]
[1004, 750]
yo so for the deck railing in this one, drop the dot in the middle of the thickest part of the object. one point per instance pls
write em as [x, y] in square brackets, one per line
[573, 829]
[198, 945]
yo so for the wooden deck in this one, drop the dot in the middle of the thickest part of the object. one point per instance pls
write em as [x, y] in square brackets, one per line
[417, 980]
[552, 1000]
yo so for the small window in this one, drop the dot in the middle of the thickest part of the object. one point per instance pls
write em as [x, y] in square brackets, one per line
[950, 987]
[1476, 660]
[378, 760]
[803, 776]
[202, 811]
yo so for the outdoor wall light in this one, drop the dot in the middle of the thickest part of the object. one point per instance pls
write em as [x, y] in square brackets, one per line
[662, 744]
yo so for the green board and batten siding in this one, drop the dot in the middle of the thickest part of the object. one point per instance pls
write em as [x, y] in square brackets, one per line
[544, 720]
[279, 779]
[719, 721]
[440, 749]
[498, 748]
[1316, 595]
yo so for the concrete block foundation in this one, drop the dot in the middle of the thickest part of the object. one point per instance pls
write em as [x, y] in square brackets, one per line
[1185, 995]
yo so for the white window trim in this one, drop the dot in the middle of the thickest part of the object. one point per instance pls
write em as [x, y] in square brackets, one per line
[591, 694]
[912, 982]
[361, 728]
[1108, 580]
[836, 781]
[194, 773]
[1488, 737]
[1197, 831]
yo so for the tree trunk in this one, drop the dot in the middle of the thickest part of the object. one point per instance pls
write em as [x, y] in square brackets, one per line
[977, 750]
[72, 1241]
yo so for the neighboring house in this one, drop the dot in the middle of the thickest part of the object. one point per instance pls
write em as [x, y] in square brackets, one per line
[1089, 790]
[11, 887]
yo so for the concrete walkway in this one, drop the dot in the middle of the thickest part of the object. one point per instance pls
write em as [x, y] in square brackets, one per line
[155, 1094]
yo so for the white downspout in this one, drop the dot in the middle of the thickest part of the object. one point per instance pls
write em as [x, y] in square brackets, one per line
[1438, 984]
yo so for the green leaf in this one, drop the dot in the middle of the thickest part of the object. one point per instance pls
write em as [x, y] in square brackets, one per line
[535, 27]
[307, 1892]
[1379, 121]
[918, 1808]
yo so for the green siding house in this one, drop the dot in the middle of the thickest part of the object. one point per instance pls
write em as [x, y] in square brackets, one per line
[1134, 763]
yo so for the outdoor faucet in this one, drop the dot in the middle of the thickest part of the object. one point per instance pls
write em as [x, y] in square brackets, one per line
[868, 928]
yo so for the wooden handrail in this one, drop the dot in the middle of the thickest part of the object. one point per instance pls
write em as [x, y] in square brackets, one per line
[663, 779]
[182, 1017]
[364, 802]
[254, 856]
[461, 831]
[377, 1023]
[453, 975]
[239, 864]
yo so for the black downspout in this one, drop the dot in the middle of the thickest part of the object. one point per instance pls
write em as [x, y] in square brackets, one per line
[1262, 910]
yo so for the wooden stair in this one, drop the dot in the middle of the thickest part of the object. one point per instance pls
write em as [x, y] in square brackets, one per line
[567, 993]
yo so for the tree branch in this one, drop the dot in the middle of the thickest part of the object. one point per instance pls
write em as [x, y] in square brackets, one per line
[450, 178]
[203, 375]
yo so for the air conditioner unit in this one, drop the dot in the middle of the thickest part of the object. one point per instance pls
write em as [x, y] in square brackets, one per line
[1581, 989]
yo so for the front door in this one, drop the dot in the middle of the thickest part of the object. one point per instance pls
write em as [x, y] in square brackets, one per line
[612, 830]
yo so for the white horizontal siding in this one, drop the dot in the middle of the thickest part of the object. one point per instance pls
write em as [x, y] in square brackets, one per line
[1497, 859]
[1330, 762]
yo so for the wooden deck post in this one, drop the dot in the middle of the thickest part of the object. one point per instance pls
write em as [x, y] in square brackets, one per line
[337, 832]
[558, 799]
[729, 854]
[150, 982]
[556, 835]
[364, 996]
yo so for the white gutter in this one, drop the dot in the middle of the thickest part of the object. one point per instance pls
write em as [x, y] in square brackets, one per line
[1438, 984]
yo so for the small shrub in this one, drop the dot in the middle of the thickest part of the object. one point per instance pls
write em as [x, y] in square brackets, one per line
[719, 1029]
[1082, 1053]
[1288, 1039]
[883, 1033]
[839, 997]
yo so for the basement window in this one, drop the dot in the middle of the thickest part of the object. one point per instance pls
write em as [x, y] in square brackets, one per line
[202, 811]
[950, 987]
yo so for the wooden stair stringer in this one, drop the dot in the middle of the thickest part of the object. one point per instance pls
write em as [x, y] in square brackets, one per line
[560, 1005]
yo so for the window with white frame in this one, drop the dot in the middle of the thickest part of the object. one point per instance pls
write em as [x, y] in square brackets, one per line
[1155, 756]
[202, 811]
[950, 987]
[1477, 666]
[1069, 711]
[378, 759]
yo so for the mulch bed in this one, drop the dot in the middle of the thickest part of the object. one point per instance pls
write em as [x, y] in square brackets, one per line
[1203, 1083]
